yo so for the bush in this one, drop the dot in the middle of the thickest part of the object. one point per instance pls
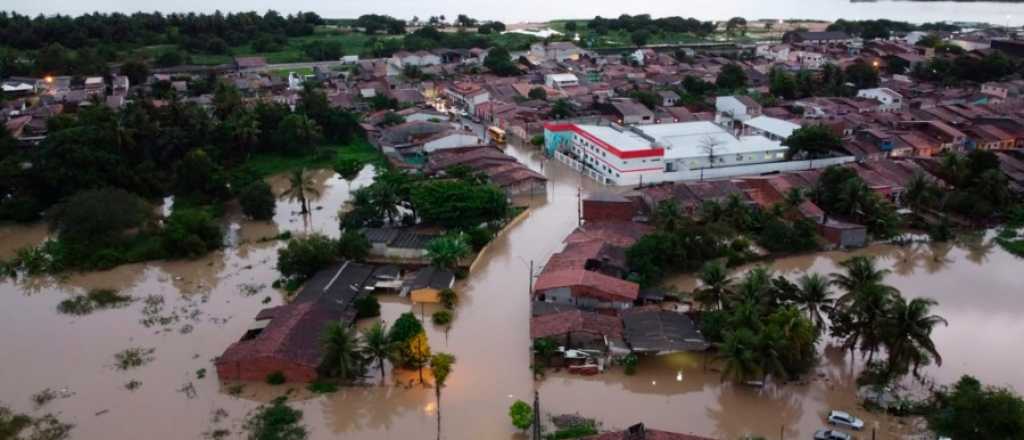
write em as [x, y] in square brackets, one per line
[441, 317]
[630, 362]
[99, 216]
[405, 328]
[276, 378]
[276, 421]
[191, 232]
[258, 201]
[448, 298]
[319, 387]
[479, 236]
[353, 245]
[367, 307]
[521, 414]
[304, 256]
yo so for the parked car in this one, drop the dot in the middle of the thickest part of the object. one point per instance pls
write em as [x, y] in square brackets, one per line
[841, 418]
[828, 434]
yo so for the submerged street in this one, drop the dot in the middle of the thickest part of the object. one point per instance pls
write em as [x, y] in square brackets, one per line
[189, 311]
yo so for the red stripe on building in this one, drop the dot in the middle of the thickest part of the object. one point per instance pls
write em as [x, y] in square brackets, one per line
[653, 152]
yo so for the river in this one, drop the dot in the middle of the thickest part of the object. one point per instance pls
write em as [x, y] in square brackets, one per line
[999, 13]
[208, 303]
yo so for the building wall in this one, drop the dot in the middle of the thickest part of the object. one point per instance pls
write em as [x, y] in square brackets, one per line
[257, 369]
[594, 210]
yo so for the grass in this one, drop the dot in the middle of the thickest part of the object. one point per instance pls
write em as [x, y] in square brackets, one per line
[283, 73]
[263, 165]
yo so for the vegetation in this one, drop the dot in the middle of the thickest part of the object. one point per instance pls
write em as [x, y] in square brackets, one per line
[378, 346]
[448, 298]
[447, 251]
[304, 256]
[441, 365]
[133, 358]
[275, 421]
[417, 353]
[441, 318]
[971, 410]
[813, 142]
[521, 414]
[841, 192]
[276, 378]
[367, 307]
[93, 300]
[258, 201]
[342, 357]
[353, 245]
[15, 426]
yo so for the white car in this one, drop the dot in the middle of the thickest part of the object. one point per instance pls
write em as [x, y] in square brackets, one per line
[828, 434]
[840, 418]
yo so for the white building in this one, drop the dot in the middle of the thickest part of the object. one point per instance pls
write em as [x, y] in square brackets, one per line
[890, 99]
[738, 108]
[561, 80]
[421, 58]
[649, 153]
[771, 128]
[555, 51]
[467, 96]
[778, 53]
[809, 60]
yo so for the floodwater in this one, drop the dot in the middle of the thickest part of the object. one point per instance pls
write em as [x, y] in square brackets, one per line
[208, 303]
[999, 13]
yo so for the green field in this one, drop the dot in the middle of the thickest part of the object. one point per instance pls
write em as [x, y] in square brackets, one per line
[268, 164]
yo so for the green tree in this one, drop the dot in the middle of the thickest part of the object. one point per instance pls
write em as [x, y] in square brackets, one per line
[258, 201]
[341, 357]
[136, 70]
[377, 346]
[538, 93]
[448, 298]
[907, 331]
[499, 61]
[640, 37]
[970, 410]
[191, 232]
[716, 286]
[304, 256]
[98, 216]
[275, 421]
[812, 141]
[815, 298]
[226, 100]
[731, 77]
[458, 203]
[862, 75]
[739, 353]
[348, 168]
[441, 365]
[353, 245]
[521, 414]
[561, 109]
[301, 187]
[299, 132]
[446, 251]
[198, 176]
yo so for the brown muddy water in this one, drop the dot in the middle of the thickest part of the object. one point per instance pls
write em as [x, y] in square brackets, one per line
[189, 311]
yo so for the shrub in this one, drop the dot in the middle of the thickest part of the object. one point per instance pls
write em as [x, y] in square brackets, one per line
[276, 378]
[367, 307]
[478, 237]
[353, 245]
[448, 298]
[405, 328]
[320, 387]
[258, 201]
[191, 232]
[98, 216]
[304, 256]
[276, 421]
[521, 414]
[441, 317]
[630, 362]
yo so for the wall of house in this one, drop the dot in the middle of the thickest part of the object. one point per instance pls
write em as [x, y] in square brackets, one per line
[257, 369]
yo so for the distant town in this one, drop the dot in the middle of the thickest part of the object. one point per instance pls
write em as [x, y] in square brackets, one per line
[665, 147]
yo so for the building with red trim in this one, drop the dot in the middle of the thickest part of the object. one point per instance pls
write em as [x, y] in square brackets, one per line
[631, 155]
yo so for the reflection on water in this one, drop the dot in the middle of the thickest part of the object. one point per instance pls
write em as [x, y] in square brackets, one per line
[210, 301]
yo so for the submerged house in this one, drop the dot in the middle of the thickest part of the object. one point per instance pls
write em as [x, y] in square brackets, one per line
[397, 244]
[651, 330]
[585, 289]
[427, 283]
[286, 338]
[577, 329]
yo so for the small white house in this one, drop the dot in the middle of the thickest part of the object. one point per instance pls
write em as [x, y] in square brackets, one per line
[737, 108]
[891, 100]
[349, 59]
[561, 80]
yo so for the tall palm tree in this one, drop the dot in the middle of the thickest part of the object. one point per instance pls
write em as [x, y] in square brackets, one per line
[301, 188]
[907, 334]
[866, 310]
[341, 351]
[244, 129]
[377, 346]
[441, 366]
[815, 298]
[794, 198]
[920, 192]
[740, 356]
[717, 286]
[756, 287]
[858, 273]
[770, 348]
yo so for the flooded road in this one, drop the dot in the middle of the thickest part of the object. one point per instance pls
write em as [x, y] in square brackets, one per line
[189, 311]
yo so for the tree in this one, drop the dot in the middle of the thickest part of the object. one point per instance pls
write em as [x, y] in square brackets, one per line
[353, 245]
[341, 352]
[783, 84]
[98, 216]
[521, 414]
[304, 256]
[301, 188]
[538, 93]
[276, 421]
[446, 251]
[258, 201]
[463, 20]
[418, 353]
[448, 298]
[377, 346]
[812, 141]
[716, 288]
[862, 75]
[244, 130]
[708, 145]
[137, 71]
[736, 25]
[731, 77]
[299, 131]
[441, 366]
[197, 175]
[561, 109]
[226, 100]
[190, 233]
[739, 352]
[971, 410]
[404, 329]
[499, 61]
[640, 37]
[458, 203]
[907, 331]
[815, 298]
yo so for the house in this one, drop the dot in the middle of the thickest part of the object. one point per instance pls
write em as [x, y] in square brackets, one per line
[585, 289]
[397, 244]
[640, 432]
[651, 330]
[423, 137]
[287, 338]
[668, 98]
[561, 80]
[427, 283]
[403, 59]
[842, 234]
[737, 108]
[629, 112]
[608, 206]
[891, 101]
[577, 329]
[467, 96]
[250, 63]
[558, 51]
[771, 128]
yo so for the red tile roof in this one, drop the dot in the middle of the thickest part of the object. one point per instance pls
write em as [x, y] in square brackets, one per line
[650, 434]
[575, 321]
[587, 283]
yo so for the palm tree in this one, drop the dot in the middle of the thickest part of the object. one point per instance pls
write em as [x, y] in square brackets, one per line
[866, 309]
[794, 198]
[301, 187]
[341, 351]
[859, 273]
[756, 287]
[717, 286]
[815, 298]
[920, 193]
[244, 129]
[907, 334]
[377, 346]
[441, 366]
[445, 252]
[769, 347]
[738, 353]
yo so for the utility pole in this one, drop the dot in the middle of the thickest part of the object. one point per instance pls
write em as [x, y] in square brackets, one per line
[536, 415]
[531, 276]
[579, 205]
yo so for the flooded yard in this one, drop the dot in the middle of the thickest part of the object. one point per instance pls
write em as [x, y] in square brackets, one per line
[189, 311]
